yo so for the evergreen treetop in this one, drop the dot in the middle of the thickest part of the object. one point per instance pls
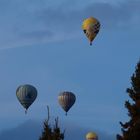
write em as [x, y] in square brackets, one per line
[131, 129]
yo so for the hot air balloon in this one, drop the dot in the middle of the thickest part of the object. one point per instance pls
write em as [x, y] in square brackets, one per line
[66, 100]
[91, 27]
[26, 95]
[91, 136]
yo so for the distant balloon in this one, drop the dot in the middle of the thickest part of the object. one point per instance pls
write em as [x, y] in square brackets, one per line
[91, 136]
[26, 95]
[91, 27]
[66, 100]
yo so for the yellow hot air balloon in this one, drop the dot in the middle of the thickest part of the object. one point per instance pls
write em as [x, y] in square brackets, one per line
[91, 27]
[91, 136]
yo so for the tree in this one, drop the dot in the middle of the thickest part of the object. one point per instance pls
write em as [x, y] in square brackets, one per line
[50, 133]
[131, 129]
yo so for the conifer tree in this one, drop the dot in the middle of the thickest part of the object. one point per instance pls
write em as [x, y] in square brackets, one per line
[50, 133]
[131, 129]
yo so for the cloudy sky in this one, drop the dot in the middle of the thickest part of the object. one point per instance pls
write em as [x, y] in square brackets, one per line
[41, 43]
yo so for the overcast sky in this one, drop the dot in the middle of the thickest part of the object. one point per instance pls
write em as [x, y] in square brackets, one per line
[42, 43]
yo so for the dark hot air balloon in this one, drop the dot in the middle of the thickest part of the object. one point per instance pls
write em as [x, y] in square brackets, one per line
[26, 95]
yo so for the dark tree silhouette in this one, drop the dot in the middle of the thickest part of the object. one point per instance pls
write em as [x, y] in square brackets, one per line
[131, 129]
[50, 133]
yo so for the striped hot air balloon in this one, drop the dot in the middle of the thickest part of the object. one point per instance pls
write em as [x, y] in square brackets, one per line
[66, 100]
[26, 95]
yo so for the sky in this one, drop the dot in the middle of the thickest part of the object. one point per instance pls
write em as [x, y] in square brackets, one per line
[42, 44]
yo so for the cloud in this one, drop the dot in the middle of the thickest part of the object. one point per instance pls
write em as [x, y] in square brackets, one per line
[29, 23]
[64, 19]
[31, 130]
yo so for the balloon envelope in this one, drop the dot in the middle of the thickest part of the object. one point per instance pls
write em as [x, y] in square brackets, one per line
[91, 136]
[66, 100]
[26, 95]
[91, 27]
